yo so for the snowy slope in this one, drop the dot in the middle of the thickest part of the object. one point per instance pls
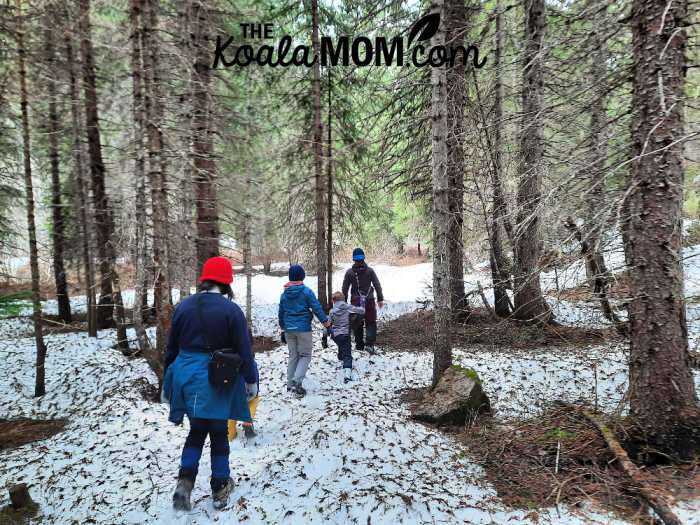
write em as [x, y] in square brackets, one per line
[343, 454]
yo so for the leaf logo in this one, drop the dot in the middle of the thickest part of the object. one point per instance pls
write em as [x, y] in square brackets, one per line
[426, 26]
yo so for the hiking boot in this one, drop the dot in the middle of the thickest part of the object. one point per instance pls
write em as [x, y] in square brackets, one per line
[371, 350]
[220, 496]
[181, 497]
[299, 390]
[249, 431]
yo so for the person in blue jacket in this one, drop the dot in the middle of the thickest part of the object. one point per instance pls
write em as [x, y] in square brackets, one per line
[296, 304]
[201, 323]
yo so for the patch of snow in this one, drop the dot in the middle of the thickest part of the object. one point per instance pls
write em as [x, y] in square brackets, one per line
[345, 453]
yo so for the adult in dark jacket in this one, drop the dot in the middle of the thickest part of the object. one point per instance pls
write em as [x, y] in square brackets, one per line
[202, 323]
[360, 279]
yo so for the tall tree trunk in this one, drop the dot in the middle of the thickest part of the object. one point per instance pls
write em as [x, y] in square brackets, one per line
[442, 345]
[529, 302]
[40, 385]
[594, 198]
[83, 192]
[151, 59]
[247, 249]
[455, 26]
[203, 136]
[663, 399]
[500, 274]
[103, 214]
[247, 266]
[187, 260]
[156, 178]
[58, 236]
[329, 196]
[318, 163]
[140, 176]
[596, 271]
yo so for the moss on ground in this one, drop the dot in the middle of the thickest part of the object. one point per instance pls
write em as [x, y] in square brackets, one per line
[21, 516]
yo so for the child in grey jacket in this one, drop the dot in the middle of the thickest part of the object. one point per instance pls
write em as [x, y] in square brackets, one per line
[339, 330]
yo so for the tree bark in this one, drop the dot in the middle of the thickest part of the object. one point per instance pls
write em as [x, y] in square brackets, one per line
[500, 273]
[247, 249]
[442, 346]
[318, 164]
[455, 27]
[529, 302]
[595, 197]
[58, 236]
[663, 399]
[83, 193]
[247, 266]
[140, 176]
[156, 178]
[202, 136]
[329, 195]
[40, 384]
[103, 214]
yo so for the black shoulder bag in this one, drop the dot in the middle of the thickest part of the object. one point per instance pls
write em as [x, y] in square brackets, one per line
[225, 363]
[356, 320]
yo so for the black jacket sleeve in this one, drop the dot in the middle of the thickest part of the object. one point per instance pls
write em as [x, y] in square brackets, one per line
[346, 285]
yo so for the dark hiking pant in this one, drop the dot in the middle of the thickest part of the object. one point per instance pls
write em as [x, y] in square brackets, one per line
[369, 321]
[217, 429]
[344, 349]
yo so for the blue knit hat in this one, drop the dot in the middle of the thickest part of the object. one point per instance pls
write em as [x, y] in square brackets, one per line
[296, 273]
[358, 254]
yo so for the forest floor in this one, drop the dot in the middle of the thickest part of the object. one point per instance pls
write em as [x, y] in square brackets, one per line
[346, 453]
[414, 332]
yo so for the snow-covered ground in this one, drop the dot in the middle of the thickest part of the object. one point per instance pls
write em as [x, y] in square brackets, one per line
[344, 454]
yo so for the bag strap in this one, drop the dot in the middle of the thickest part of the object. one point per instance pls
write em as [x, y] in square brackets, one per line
[207, 346]
[357, 280]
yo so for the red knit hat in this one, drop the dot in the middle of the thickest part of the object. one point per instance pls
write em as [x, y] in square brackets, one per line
[217, 269]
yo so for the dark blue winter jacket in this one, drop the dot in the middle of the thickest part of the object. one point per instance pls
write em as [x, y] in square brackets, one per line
[296, 304]
[225, 325]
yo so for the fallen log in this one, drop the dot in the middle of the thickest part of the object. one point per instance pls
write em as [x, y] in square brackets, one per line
[656, 501]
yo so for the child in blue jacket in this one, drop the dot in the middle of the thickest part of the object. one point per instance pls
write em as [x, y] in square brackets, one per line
[297, 303]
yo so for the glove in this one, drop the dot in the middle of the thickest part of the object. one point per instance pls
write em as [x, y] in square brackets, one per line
[283, 338]
[251, 390]
[324, 341]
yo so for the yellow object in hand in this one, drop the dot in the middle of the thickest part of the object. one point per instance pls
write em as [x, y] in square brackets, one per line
[253, 406]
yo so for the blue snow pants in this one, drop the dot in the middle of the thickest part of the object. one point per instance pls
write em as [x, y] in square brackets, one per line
[217, 429]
